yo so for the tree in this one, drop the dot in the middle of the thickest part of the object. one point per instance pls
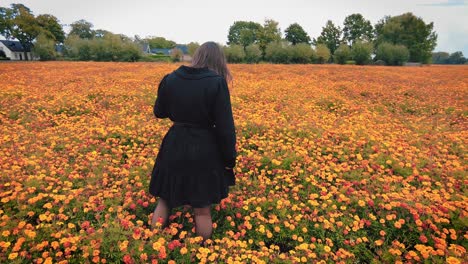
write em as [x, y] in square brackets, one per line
[410, 31]
[296, 34]
[301, 53]
[392, 54]
[192, 47]
[457, 58]
[440, 57]
[361, 52]
[342, 54]
[6, 22]
[44, 47]
[270, 32]
[160, 43]
[82, 29]
[330, 36]
[53, 29]
[355, 27]
[25, 27]
[277, 52]
[243, 33]
[100, 33]
[234, 53]
[322, 53]
[253, 54]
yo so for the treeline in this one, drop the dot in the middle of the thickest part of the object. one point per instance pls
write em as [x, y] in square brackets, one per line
[392, 41]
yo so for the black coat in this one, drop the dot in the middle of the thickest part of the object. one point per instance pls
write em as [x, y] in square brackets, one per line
[190, 165]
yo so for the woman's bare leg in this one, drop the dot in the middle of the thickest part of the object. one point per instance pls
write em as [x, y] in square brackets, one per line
[161, 213]
[203, 222]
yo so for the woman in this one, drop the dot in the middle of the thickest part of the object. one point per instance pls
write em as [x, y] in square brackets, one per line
[195, 162]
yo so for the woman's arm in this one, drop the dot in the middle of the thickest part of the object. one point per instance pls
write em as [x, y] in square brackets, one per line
[159, 108]
[224, 125]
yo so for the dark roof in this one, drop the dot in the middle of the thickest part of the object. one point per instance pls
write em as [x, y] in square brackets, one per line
[163, 51]
[14, 46]
[183, 48]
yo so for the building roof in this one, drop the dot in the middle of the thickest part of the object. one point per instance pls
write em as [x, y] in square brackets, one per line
[14, 46]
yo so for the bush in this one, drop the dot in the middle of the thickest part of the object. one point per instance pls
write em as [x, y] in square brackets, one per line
[301, 53]
[2, 54]
[392, 54]
[342, 54]
[277, 52]
[156, 58]
[350, 62]
[361, 52]
[380, 63]
[253, 54]
[322, 53]
[234, 53]
[176, 54]
[111, 47]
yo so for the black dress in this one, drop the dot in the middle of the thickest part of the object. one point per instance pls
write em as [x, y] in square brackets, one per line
[190, 164]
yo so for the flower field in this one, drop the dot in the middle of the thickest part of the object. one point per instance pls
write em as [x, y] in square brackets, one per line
[342, 164]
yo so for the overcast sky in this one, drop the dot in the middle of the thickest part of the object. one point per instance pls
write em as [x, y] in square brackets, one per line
[201, 20]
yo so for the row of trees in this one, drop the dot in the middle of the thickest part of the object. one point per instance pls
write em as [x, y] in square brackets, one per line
[393, 40]
[446, 58]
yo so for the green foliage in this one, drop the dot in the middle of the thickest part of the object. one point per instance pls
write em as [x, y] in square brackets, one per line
[192, 47]
[342, 54]
[350, 62]
[330, 36]
[356, 27]
[111, 47]
[2, 54]
[160, 43]
[392, 54]
[44, 48]
[253, 54]
[270, 32]
[296, 34]
[243, 33]
[82, 29]
[457, 58]
[234, 53]
[410, 31]
[361, 52]
[446, 58]
[322, 53]
[52, 27]
[301, 53]
[277, 52]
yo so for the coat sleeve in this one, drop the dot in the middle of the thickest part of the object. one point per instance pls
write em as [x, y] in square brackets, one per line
[224, 125]
[160, 106]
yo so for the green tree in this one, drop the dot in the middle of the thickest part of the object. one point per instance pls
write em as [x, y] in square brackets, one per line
[277, 52]
[25, 27]
[100, 33]
[392, 54]
[410, 31]
[44, 47]
[160, 43]
[253, 54]
[355, 27]
[342, 54]
[53, 29]
[440, 57]
[82, 29]
[243, 33]
[192, 47]
[361, 52]
[301, 53]
[270, 32]
[234, 53]
[456, 58]
[330, 36]
[322, 53]
[296, 34]
[6, 22]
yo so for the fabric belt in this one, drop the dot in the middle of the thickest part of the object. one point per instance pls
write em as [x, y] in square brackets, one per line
[205, 126]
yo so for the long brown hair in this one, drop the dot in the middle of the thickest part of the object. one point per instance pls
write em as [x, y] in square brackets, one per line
[211, 55]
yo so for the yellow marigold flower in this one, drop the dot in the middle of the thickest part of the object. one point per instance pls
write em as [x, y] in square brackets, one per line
[12, 256]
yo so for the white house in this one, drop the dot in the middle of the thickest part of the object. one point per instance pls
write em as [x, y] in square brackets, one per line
[14, 50]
